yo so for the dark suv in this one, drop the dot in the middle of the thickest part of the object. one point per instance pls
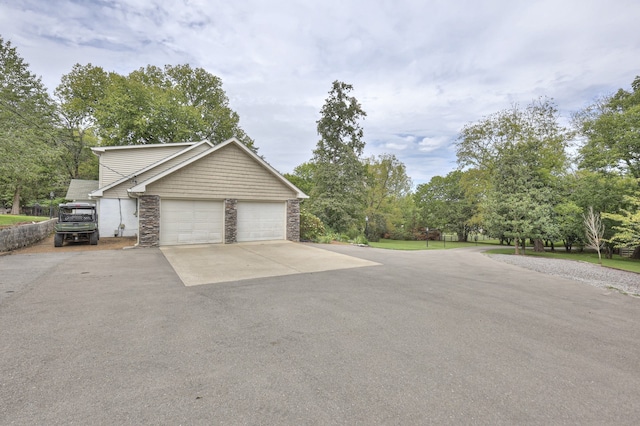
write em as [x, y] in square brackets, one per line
[77, 222]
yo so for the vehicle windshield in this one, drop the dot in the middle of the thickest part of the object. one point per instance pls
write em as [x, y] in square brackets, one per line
[77, 214]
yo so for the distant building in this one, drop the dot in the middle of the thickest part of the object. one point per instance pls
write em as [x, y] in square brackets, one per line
[79, 190]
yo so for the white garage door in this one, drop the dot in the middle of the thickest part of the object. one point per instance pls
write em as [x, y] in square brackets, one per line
[261, 221]
[191, 222]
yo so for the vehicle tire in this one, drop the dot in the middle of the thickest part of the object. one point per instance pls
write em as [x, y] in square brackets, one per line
[58, 240]
[93, 239]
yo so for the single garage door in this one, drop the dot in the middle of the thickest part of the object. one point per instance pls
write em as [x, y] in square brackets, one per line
[261, 221]
[191, 222]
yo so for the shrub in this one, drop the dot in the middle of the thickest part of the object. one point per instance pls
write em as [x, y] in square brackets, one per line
[311, 227]
[325, 239]
[401, 234]
[361, 239]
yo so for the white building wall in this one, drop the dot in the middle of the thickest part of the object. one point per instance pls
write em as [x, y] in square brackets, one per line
[116, 212]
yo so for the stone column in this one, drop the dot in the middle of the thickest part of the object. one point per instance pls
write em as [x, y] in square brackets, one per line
[230, 220]
[293, 220]
[149, 220]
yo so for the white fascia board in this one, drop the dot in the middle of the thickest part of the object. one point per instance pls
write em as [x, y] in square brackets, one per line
[119, 147]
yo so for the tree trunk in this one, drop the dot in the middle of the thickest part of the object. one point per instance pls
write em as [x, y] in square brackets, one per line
[517, 245]
[15, 207]
[538, 245]
[636, 253]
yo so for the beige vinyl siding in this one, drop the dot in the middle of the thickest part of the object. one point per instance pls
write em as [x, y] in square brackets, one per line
[120, 191]
[127, 161]
[226, 173]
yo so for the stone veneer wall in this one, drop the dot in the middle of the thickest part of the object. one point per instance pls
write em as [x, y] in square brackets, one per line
[293, 220]
[20, 236]
[149, 217]
[230, 221]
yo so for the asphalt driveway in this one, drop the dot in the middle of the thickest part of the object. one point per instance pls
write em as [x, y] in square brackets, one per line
[446, 337]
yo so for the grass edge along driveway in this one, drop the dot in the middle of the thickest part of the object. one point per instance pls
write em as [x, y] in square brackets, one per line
[622, 263]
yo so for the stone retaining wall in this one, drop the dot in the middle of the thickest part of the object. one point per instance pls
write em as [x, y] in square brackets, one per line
[25, 235]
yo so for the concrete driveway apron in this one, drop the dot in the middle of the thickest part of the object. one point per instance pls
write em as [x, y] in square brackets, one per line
[217, 263]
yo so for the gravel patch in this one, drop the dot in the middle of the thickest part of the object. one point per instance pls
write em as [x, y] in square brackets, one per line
[595, 275]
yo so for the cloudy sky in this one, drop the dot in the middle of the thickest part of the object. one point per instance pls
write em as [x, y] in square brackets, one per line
[420, 69]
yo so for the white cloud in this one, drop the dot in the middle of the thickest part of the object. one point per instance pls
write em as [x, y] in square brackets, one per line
[432, 144]
[420, 69]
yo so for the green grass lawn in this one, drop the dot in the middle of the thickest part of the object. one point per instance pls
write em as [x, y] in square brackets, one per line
[632, 265]
[7, 219]
[422, 245]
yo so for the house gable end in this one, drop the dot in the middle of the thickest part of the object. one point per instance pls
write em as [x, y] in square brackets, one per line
[119, 189]
[229, 172]
[120, 162]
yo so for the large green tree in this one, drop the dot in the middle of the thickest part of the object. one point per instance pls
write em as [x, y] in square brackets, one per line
[339, 175]
[27, 119]
[386, 185]
[604, 192]
[520, 153]
[611, 127]
[627, 224]
[150, 105]
[521, 202]
[444, 204]
[78, 95]
[302, 177]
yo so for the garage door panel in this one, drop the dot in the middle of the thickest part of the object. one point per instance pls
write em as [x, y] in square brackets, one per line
[260, 221]
[191, 222]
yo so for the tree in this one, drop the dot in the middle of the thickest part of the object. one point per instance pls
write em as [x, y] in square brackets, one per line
[521, 154]
[606, 193]
[27, 121]
[627, 228]
[594, 231]
[568, 218]
[78, 95]
[482, 145]
[386, 184]
[150, 105]
[302, 177]
[338, 179]
[611, 127]
[444, 204]
[520, 203]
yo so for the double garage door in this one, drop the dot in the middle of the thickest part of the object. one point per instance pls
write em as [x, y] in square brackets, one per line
[202, 222]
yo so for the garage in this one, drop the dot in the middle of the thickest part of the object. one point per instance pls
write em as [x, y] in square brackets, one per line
[261, 221]
[191, 222]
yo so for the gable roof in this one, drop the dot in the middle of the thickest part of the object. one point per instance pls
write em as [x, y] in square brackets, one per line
[99, 192]
[79, 189]
[142, 186]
